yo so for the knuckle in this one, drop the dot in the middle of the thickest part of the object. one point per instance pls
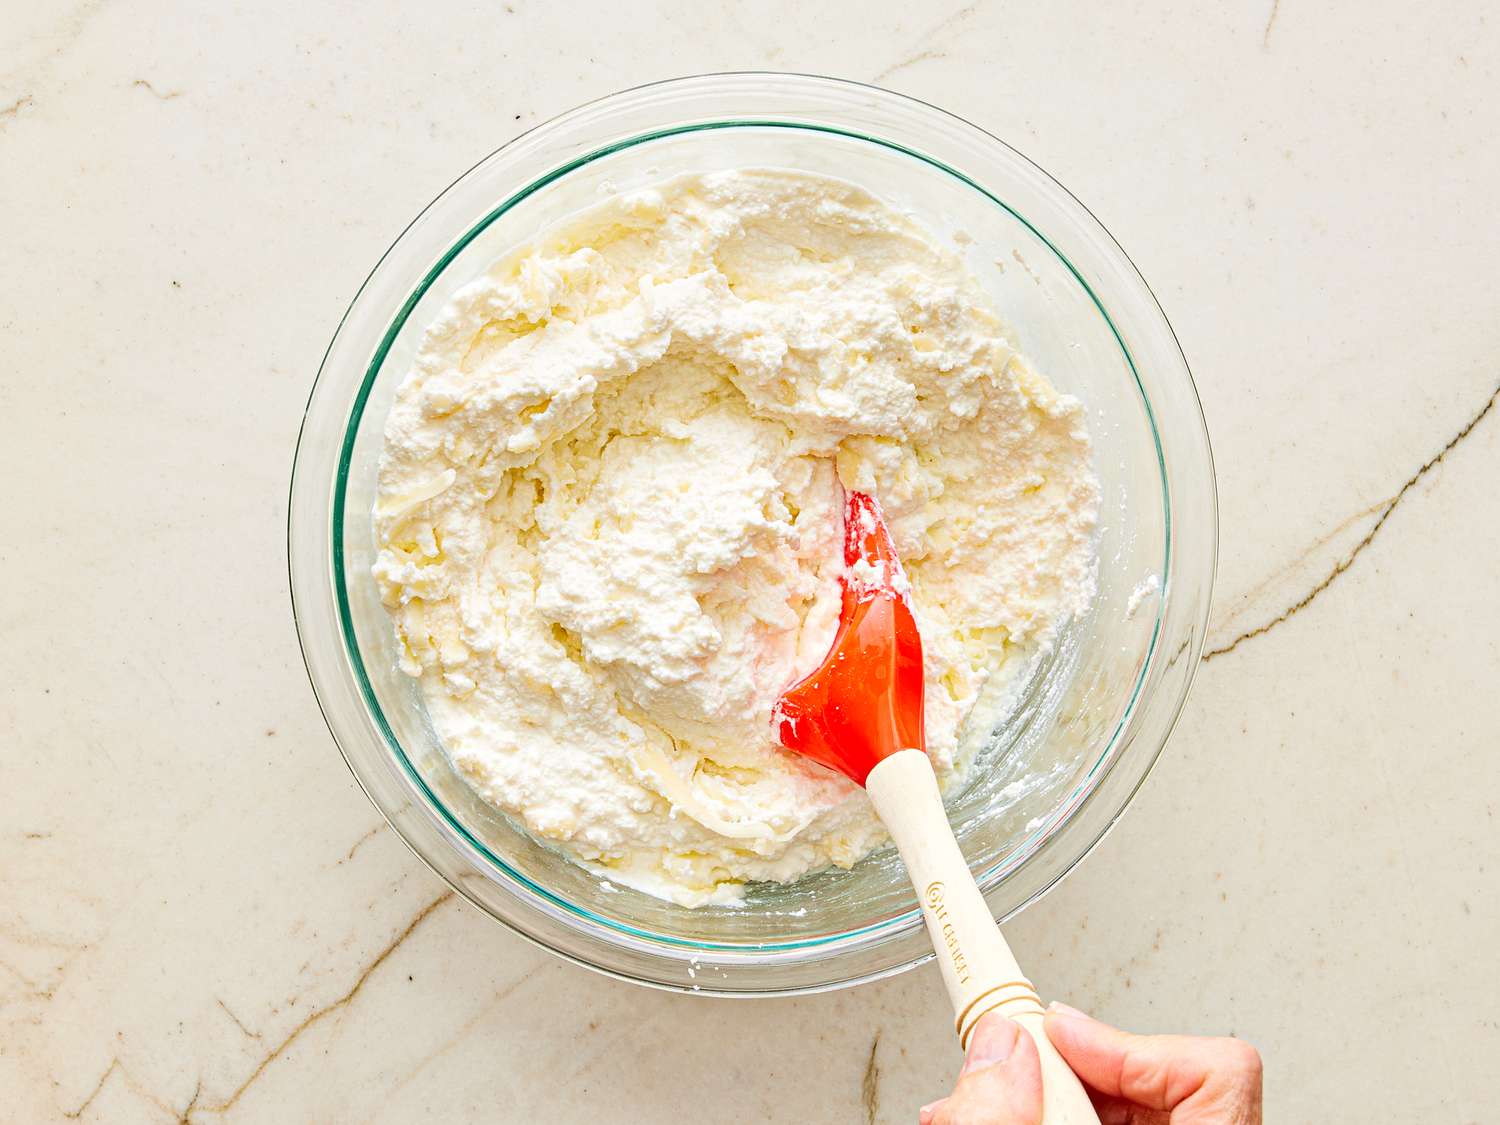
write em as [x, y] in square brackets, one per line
[1243, 1059]
[1146, 1072]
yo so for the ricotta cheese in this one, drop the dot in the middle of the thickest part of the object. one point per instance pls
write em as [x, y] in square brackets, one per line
[609, 505]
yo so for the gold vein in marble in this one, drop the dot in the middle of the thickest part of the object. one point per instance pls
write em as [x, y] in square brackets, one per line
[869, 1087]
[328, 1009]
[1385, 509]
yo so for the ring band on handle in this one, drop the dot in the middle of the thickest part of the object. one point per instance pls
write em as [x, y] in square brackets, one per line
[978, 968]
[1012, 999]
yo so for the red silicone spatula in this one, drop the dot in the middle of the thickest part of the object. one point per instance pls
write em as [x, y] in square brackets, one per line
[860, 712]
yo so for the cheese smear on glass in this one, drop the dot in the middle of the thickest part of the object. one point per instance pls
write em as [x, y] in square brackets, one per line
[610, 503]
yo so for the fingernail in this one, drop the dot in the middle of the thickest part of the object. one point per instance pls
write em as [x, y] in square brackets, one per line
[924, 1115]
[994, 1040]
[1063, 1010]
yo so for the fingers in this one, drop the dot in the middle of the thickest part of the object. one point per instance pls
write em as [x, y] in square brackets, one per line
[1000, 1083]
[1197, 1077]
[1117, 1111]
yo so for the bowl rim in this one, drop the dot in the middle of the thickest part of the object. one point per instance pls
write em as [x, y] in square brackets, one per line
[897, 925]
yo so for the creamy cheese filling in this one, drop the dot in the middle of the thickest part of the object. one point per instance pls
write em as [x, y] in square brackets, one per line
[609, 511]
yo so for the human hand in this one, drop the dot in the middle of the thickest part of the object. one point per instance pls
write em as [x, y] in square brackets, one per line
[1000, 1082]
[1132, 1079]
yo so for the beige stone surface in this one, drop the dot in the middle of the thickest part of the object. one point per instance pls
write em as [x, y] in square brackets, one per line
[201, 917]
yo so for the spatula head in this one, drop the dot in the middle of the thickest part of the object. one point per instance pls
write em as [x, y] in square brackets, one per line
[864, 702]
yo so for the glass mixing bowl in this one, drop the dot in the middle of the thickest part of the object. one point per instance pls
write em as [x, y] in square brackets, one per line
[1080, 729]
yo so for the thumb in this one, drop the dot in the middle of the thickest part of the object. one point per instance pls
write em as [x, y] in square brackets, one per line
[1216, 1080]
[1001, 1080]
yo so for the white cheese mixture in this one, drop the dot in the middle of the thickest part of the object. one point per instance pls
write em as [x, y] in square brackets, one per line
[610, 502]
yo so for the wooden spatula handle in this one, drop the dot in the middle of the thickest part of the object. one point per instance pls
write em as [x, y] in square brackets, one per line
[977, 965]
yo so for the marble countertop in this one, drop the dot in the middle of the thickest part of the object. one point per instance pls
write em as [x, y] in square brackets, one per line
[202, 918]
